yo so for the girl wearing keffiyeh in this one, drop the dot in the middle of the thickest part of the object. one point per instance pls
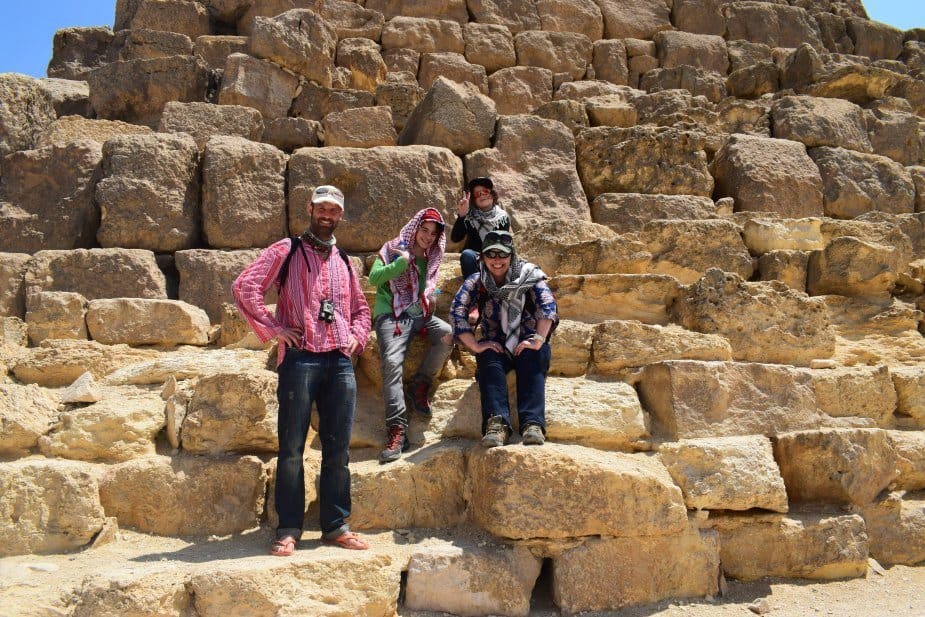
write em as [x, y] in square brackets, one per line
[478, 213]
[405, 276]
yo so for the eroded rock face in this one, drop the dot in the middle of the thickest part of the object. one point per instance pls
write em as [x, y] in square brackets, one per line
[490, 45]
[626, 212]
[299, 40]
[598, 414]
[56, 315]
[205, 120]
[688, 249]
[362, 127]
[560, 52]
[57, 363]
[12, 276]
[456, 116]
[137, 321]
[894, 526]
[26, 413]
[48, 506]
[820, 122]
[850, 266]
[97, 273]
[910, 394]
[910, 451]
[569, 490]
[864, 392]
[25, 113]
[639, 19]
[185, 496]
[774, 25]
[77, 51]
[100, 595]
[520, 88]
[73, 128]
[703, 51]
[206, 277]
[257, 83]
[619, 345]
[855, 183]
[423, 35]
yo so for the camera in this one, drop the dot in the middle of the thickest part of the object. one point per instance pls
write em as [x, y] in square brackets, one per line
[326, 312]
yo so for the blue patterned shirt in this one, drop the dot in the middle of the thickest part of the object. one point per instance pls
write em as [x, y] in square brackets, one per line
[467, 298]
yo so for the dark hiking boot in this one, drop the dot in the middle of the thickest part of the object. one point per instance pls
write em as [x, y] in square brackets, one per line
[396, 443]
[533, 436]
[496, 433]
[418, 389]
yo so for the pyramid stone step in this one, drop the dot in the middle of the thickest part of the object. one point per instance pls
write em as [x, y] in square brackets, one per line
[58, 362]
[620, 345]
[143, 321]
[600, 297]
[12, 276]
[204, 120]
[896, 528]
[26, 413]
[56, 315]
[910, 450]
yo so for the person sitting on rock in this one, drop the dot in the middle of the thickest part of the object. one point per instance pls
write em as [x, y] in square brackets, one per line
[405, 276]
[518, 314]
[478, 213]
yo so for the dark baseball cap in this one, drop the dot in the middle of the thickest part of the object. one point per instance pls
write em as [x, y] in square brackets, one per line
[482, 181]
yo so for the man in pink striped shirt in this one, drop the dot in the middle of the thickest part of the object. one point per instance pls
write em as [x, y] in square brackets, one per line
[321, 320]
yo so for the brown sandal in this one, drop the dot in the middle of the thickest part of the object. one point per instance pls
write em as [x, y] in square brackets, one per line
[349, 540]
[283, 547]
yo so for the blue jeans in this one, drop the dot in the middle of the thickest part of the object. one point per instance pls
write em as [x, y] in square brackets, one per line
[530, 368]
[469, 262]
[326, 379]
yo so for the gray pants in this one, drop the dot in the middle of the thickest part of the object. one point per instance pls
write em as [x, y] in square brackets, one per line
[392, 351]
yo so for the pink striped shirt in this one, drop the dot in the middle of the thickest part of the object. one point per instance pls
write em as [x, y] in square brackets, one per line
[300, 300]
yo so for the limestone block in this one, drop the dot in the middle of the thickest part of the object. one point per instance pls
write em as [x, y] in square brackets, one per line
[232, 412]
[688, 398]
[763, 235]
[560, 52]
[861, 391]
[705, 51]
[304, 588]
[788, 267]
[764, 322]
[362, 58]
[673, 107]
[49, 195]
[895, 134]
[56, 315]
[214, 50]
[599, 297]
[848, 466]
[817, 121]
[874, 228]
[77, 51]
[12, 277]
[566, 491]
[698, 16]
[456, 116]
[610, 111]
[132, 593]
[26, 112]
[423, 35]
[639, 19]
[139, 321]
[874, 39]
[855, 183]
[372, 177]
[299, 40]
[243, 193]
[605, 574]
[623, 160]
[206, 277]
[452, 66]
[918, 178]
[910, 394]
[697, 81]
[407, 60]
[575, 247]
[774, 25]
[626, 212]
[422, 489]
[259, 84]
[190, 18]
[754, 81]
[186, 363]
[581, 16]
[687, 249]
[598, 414]
[67, 97]
[586, 88]
[849, 266]
[609, 61]
[639, 66]
[121, 427]
[516, 15]
[472, 580]
[490, 45]
[149, 44]
[48, 506]
[457, 409]
[619, 345]
[351, 20]
[573, 348]
[533, 164]
[800, 544]
[910, 451]
[73, 128]
[315, 102]
[185, 495]
[26, 413]
[96, 273]
[57, 363]
[83, 390]
[768, 175]
[726, 473]
[896, 527]
[570, 113]
[289, 134]
[136, 90]
[205, 120]
[520, 89]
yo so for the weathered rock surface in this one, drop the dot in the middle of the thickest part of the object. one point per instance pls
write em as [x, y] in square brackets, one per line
[688, 249]
[560, 52]
[12, 276]
[26, 413]
[910, 452]
[56, 315]
[703, 51]
[619, 345]
[299, 40]
[190, 18]
[451, 66]
[600, 297]
[423, 35]
[97, 273]
[850, 266]
[598, 414]
[896, 528]
[638, 19]
[456, 116]
[361, 127]
[865, 392]
[910, 394]
[138, 321]
[855, 183]
[67, 97]
[820, 122]
[206, 277]
[77, 51]
[765, 235]
[72, 128]
[57, 363]
[204, 120]
[490, 45]
[520, 88]
[185, 363]
[25, 114]
[774, 25]
[626, 212]
[257, 83]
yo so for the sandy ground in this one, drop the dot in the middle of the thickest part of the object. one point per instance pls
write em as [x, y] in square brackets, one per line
[44, 584]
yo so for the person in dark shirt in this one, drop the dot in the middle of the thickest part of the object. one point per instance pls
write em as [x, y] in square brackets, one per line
[478, 213]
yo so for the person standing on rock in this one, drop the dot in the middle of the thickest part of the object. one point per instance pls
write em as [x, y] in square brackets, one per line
[518, 315]
[321, 321]
[478, 213]
[405, 276]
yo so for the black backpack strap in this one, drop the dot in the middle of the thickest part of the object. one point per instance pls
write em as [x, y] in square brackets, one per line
[284, 270]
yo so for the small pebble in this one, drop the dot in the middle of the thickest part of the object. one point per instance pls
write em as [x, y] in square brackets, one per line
[760, 606]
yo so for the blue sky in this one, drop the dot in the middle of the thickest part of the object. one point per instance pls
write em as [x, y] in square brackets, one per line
[27, 29]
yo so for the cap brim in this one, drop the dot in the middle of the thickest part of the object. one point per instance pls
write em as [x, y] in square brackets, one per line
[330, 200]
[498, 247]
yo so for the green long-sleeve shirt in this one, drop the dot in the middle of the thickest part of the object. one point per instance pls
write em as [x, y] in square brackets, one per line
[380, 275]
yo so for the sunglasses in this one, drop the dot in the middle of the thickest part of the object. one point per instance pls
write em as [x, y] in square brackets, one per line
[494, 237]
[323, 190]
[482, 193]
[495, 254]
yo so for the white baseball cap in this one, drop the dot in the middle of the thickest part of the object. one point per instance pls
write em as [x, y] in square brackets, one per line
[328, 193]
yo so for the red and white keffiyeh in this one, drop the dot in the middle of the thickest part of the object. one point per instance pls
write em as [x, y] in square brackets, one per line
[404, 287]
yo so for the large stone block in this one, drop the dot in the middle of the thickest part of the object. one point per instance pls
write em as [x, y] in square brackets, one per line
[639, 19]
[56, 315]
[77, 51]
[206, 277]
[850, 266]
[910, 394]
[573, 348]
[775, 25]
[520, 89]
[150, 44]
[703, 51]
[560, 52]
[896, 528]
[204, 120]
[423, 35]
[362, 127]
[560, 492]
[134, 593]
[214, 50]
[456, 116]
[183, 364]
[815, 121]
[48, 506]
[726, 473]
[910, 451]
[97, 273]
[597, 414]
[768, 175]
[67, 97]
[877, 41]
[580, 16]
[516, 15]
[299, 40]
[139, 321]
[25, 114]
[764, 322]
[533, 165]
[137, 90]
[189, 18]
[688, 398]
[58, 363]
[599, 297]
[186, 495]
[490, 45]
[797, 545]
[605, 574]
[624, 160]
[232, 412]
[697, 81]
[243, 193]
[855, 183]
[863, 391]
[12, 279]
[454, 10]
[895, 134]
[847, 466]
[362, 58]
[259, 84]
[316, 102]
[26, 413]
[578, 247]
[626, 212]
[688, 249]
[74, 128]
[121, 427]
[290, 134]
[609, 61]
[619, 345]
[765, 235]
[698, 16]
[49, 197]
[378, 198]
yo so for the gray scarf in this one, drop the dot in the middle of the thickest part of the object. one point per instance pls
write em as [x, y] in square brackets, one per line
[519, 280]
[322, 247]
